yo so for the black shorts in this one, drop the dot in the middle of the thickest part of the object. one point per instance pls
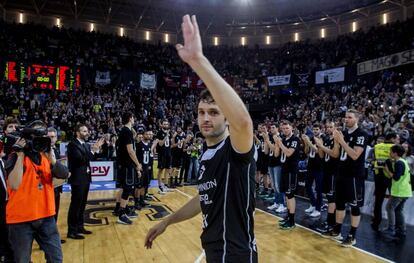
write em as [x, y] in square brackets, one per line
[146, 176]
[177, 160]
[288, 181]
[263, 164]
[216, 255]
[164, 161]
[328, 184]
[128, 177]
[350, 190]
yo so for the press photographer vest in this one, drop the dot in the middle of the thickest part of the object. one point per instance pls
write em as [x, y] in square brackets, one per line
[34, 199]
[382, 153]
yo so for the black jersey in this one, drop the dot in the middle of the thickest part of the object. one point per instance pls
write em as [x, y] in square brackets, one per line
[314, 161]
[179, 140]
[144, 153]
[347, 166]
[226, 185]
[125, 137]
[166, 148]
[261, 147]
[290, 163]
[330, 164]
[273, 161]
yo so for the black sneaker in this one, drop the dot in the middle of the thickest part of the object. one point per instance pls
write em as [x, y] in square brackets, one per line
[115, 212]
[287, 225]
[137, 206]
[349, 241]
[123, 219]
[263, 193]
[283, 221]
[324, 227]
[332, 235]
[131, 213]
[324, 207]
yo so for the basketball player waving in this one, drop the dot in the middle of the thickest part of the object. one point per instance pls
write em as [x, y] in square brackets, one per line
[226, 179]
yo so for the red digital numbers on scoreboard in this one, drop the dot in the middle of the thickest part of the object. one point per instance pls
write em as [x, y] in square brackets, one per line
[43, 77]
[11, 71]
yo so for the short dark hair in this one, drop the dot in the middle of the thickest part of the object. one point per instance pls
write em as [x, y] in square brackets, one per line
[355, 112]
[285, 122]
[10, 120]
[398, 149]
[316, 125]
[126, 116]
[205, 96]
[79, 126]
[391, 135]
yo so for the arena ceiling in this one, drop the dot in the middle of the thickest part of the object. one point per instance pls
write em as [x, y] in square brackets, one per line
[214, 16]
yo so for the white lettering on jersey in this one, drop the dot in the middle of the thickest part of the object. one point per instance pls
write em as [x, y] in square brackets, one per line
[146, 157]
[312, 153]
[344, 155]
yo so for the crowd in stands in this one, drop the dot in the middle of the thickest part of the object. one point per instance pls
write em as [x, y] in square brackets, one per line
[384, 104]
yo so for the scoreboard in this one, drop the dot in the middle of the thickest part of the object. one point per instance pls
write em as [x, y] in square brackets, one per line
[63, 78]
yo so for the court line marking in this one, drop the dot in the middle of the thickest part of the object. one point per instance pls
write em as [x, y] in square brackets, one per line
[304, 227]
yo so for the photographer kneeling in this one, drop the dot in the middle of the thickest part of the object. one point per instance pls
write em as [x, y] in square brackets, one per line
[31, 207]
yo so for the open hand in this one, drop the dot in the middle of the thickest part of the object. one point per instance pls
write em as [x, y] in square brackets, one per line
[153, 233]
[192, 49]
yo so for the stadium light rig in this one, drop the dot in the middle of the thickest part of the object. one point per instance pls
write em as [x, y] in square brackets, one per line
[384, 18]
[92, 27]
[323, 35]
[296, 36]
[216, 41]
[354, 26]
[58, 22]
[21, 16]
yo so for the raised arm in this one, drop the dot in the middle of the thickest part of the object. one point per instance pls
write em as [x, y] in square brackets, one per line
[241, 126]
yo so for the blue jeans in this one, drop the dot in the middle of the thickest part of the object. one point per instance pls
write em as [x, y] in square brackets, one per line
[318, 177]
[275, 175]
[193, 169]
[21, 236]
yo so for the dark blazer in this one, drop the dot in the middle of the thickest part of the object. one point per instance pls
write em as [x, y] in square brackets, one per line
[79, 162]
[3, 188]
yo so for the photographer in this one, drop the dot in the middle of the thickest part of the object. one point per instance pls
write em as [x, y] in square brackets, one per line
[30, 184]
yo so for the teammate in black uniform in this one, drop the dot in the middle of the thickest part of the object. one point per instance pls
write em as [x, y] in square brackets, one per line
[314, 172]
[144, 152]
[262, 160]
[350, 179]
[129, 174]
[226, 179]
[329, 149]
[164, 156]
[177, 152]
[289, 158]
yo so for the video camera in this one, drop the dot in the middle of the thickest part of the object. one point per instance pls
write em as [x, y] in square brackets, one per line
[35, 134]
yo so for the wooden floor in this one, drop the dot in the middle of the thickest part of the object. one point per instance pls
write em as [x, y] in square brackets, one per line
[112, 242]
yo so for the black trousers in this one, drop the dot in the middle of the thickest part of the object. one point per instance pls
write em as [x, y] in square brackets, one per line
[77, 207]
[184, 168]
[382, 183]
[5, 248]
[58, 191]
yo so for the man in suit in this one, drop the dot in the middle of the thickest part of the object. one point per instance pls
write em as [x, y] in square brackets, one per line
[79, 156]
